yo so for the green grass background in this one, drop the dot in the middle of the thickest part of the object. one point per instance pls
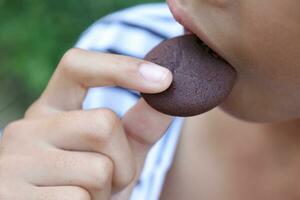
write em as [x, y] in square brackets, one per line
[33, 36]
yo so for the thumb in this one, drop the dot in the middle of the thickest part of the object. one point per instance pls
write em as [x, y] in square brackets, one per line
[144, 126]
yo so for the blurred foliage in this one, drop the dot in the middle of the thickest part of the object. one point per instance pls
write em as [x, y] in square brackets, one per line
[35, 33]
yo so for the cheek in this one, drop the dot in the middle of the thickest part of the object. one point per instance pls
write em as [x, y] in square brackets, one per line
[261, 40]
[218, 3]
[268, 36]
[267, 59]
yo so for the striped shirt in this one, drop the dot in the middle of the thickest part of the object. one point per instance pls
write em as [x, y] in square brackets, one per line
[134, 32]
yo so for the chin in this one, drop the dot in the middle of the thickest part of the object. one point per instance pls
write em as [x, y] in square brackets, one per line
[244, 115]
[256, 113]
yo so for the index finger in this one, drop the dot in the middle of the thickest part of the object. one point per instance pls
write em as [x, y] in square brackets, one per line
[79, 70]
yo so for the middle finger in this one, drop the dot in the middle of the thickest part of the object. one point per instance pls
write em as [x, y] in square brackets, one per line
[98, 131]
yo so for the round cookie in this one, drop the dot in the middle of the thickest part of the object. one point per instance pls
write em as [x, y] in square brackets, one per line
[201, 79]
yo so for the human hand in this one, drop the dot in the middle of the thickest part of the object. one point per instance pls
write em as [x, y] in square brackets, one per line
[59, 151]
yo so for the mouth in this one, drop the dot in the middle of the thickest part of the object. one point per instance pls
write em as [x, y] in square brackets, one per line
[185, 20]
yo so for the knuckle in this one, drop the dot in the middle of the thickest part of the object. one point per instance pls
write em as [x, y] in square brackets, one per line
[103, 170]
[67, 63]
[12, 131]
[109, 121]
[70, 55]
[109, 115]
[102, 128]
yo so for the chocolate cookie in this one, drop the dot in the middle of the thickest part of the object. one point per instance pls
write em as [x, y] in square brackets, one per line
[201, 79]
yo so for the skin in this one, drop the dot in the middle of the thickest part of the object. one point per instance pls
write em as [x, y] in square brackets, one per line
[231, 159]
[236, 159]
[248, 148]
[45, 155]
[261, 41]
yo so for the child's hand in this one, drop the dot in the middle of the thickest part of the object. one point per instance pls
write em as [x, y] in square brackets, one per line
[61, 152]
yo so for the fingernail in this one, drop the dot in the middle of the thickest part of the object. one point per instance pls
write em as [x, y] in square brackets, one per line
[153, 73]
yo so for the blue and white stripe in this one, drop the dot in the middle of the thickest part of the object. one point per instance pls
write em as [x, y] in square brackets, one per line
[134, 32]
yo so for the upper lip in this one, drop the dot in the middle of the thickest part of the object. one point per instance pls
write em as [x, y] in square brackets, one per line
[185, 20]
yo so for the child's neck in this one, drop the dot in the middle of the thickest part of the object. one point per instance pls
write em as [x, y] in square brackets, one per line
[224, 129]
[220, 157]
[223, 133]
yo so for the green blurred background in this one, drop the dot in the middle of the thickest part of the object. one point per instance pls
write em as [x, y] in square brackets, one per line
[33, 36]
